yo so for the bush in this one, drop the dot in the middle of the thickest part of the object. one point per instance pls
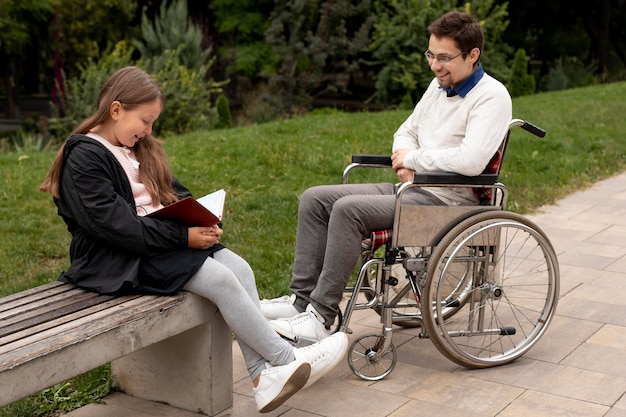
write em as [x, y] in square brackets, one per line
[224, 119]
[187, 94]
[570, 73]
[82, 92]
[319, 45]
[521, 82]
[172, 30]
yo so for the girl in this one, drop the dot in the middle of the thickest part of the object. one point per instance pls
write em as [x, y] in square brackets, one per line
[107, 176]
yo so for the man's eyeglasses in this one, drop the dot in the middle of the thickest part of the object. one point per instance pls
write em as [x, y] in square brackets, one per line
[442, 59]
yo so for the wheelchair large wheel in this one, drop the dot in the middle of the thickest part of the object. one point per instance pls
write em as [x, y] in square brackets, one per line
[505, 306]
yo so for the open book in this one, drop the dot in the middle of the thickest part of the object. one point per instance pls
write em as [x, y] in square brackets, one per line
[205, 211]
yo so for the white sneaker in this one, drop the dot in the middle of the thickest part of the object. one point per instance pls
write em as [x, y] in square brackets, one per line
[278, 383]
[279, 308]
[323, 356]
[307, 325]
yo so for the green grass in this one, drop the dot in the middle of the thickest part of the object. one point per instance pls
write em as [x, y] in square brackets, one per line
[265, 168]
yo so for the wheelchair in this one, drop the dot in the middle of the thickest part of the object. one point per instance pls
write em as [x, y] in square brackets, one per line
[480, 282]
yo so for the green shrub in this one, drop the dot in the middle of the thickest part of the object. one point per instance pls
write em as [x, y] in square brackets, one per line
[171, 30]
[82, 91]
[319, 45]
[224, 119]
[187, 93]
[570, 72]
[521, 82]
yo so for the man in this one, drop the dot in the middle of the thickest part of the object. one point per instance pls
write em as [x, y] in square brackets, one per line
[457, 126]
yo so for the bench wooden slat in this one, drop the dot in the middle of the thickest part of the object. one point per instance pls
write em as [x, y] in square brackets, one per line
[83, 325]
[21, 298]
[42, 307]
[85, 310]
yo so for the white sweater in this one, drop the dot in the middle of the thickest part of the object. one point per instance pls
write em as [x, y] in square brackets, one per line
[456, 134]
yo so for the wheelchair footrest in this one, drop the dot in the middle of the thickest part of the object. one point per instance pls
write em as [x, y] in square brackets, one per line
[504, 331]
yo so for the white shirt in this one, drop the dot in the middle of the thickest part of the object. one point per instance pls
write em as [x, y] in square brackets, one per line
[126, 157]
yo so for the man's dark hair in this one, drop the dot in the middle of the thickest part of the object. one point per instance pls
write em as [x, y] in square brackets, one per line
[463, 28]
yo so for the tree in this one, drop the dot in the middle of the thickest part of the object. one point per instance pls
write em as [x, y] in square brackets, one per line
[399, 40]
[172, 30]
[319, 44]
[559, 33]
[83, 30]
[605, 25]
[21, 22]
[241, 26]
[494, 19]
[401, 36]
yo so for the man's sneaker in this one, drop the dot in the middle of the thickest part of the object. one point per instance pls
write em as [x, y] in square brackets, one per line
[307, 325]
[278, 383]
[279, 308]
[323, 356]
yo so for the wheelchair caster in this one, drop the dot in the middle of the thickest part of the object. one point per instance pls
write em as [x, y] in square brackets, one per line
[368, 360]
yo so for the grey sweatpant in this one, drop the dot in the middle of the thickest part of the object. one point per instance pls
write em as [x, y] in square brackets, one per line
[228, 281]
[332, 222]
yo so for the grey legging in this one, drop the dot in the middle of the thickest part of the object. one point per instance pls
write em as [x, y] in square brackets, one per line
[228, 281]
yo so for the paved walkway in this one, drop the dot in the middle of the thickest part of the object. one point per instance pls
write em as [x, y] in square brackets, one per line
[578, 368]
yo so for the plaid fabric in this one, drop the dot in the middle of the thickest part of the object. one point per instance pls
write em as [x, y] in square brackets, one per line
[376, 240]
[484, 194]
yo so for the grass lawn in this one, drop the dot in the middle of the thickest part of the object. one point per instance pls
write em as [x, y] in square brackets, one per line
[265, 168]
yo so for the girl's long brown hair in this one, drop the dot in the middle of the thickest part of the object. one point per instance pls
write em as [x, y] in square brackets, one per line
[132, 87]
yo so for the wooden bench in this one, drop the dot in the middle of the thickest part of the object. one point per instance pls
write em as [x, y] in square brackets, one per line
[171, 349]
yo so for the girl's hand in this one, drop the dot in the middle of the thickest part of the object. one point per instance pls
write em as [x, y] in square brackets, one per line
[204, 237]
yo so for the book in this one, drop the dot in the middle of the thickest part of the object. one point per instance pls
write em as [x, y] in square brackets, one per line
[204, 211]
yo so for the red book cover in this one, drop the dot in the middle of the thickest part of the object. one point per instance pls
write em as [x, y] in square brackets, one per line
[205, 211]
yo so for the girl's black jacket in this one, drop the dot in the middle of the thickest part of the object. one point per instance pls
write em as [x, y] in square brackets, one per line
[113, 250]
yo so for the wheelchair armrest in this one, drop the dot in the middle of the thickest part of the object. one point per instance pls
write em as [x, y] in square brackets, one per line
[443, 178]
[371, 159]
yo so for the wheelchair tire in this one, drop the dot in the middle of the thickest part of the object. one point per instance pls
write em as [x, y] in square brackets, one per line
[367, 359]
[505, 306]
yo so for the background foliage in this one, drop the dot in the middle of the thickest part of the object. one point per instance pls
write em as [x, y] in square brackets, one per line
[287, 56]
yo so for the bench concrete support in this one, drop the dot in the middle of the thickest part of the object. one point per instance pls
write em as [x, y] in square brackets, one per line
[193, 363]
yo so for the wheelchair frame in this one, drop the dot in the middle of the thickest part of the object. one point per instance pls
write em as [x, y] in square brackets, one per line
[482, 283]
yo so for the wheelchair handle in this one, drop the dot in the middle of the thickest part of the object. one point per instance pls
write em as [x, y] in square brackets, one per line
[529, 127]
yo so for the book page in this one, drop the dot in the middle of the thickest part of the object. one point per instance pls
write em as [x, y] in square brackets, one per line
[214, 202]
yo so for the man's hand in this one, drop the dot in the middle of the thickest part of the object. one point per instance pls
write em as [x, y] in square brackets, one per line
[397, 159]
[405, 174]
[397, 162]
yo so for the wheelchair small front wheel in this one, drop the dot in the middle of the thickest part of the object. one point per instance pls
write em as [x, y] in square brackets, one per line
[369, 359]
